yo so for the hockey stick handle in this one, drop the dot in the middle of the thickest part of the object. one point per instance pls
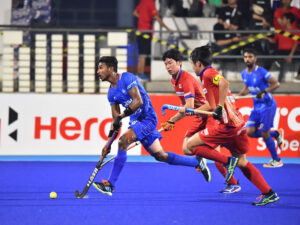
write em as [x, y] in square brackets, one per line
[244, 97]
[188, 110]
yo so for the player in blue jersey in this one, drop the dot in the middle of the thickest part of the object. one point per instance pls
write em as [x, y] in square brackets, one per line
[259, 82]
[126, 90]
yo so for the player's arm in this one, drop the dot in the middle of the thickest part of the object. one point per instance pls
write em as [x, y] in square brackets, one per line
[161, 23]
[274, 84]
[135, 13]
[243, 92]
[223, 87]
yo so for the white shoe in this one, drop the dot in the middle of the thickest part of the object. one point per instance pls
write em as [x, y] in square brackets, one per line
[273, 164]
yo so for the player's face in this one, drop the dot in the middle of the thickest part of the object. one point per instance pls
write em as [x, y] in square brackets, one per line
[196, 67]
[173, 67]
[103, 71]
[249, 59]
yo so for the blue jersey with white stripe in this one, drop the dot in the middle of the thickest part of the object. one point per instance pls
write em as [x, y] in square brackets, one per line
[257, 81]
[120, 95]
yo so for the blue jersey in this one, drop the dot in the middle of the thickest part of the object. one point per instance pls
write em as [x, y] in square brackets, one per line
[120, 95]
[257, 81]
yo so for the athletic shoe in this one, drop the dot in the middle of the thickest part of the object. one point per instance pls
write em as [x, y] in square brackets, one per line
[104, 187]
[231, 188]
[280, 139]
[203, 168]
[233, 161]
[266, 199]
[273, 164]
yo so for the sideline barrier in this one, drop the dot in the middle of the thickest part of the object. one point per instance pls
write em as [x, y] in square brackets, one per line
[56, 124]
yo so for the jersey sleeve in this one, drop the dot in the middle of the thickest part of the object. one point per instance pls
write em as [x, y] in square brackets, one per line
[265, 74]
[110, 98]
[129, 80]
[215, 78]
[188, 89]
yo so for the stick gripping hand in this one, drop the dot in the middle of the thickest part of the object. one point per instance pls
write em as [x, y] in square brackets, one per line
[218, 113]
[168, 125]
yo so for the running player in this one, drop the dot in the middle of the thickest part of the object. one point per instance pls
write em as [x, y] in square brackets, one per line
[191, 95]
[125, 89]
[258, 81]
[227, 128]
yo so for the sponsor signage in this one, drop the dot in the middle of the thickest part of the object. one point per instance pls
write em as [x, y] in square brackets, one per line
[55, 124]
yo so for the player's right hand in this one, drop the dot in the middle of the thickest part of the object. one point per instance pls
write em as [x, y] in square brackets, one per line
[105, 150]
[168, 125]
[218, 113]
[117, 123]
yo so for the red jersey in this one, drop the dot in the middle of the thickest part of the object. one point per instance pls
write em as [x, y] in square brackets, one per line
[280, 12]
[187, 86]
[146, 10]
[210, 81]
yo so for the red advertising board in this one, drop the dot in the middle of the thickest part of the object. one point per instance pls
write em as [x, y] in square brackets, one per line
[287, 117]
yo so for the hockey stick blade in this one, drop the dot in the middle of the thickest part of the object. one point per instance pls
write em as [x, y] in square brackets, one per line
[96, 170]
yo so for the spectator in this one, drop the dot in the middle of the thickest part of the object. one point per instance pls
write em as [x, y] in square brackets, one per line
[145, 12]
[229, 12]
[261, 16]
[226, 39]
[286, 8]
[285, 45]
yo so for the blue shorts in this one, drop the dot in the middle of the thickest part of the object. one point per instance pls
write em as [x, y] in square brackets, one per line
[145, 131]
[263, 118]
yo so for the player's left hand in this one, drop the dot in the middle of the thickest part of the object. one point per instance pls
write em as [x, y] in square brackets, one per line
[218, 113]
[105, 151]
[117, 123]
[260, 94]
[168, 125]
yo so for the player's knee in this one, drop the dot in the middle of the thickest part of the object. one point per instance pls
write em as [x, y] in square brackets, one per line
[250, 133]
[187, 151]
[123, 142]
[265, 135]
[160, 156]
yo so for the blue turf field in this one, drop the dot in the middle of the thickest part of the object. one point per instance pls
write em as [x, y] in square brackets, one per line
[146, 193]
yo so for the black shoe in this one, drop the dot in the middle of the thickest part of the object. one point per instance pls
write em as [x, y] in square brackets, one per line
[203, 168]
[105, 187]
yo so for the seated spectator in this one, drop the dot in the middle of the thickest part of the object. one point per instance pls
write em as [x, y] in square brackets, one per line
[228, 12]
[226, 39]
[286, 8]
[285, 45]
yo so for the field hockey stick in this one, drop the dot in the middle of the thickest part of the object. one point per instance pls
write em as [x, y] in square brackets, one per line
[188, 110]
[244, 97]
[98, 167]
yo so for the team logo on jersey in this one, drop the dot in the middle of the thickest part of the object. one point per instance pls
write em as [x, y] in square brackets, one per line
[217, 78]
[180, 86]
[204, 90]
[123, 91]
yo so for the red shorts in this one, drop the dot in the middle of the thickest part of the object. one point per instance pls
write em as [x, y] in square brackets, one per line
[198, 124]
[235, 139]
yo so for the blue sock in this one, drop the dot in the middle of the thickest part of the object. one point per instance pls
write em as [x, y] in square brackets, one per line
[274, 134]
[174, 159]
[257, 134]
[118, 166]
[271, 146]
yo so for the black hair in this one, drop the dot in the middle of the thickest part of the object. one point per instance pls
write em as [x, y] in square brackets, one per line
[249, 50]
[172, 54]
[290, 17]
[202, 54]
[110, 61]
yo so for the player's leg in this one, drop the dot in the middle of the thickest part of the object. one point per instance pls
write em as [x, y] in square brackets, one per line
[207, 150]
[107, 186]
[239, 147]
[156, 150]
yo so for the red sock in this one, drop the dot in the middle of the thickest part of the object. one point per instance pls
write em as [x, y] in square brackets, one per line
[253, 174]
[223, 171]
[209, 153]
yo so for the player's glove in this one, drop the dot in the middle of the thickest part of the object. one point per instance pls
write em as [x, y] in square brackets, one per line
[168, 125]
[117, 123]
[218, 113]
[259, 94]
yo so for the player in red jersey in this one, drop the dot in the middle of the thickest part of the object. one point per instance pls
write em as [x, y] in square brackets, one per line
[191, 95]
[226, 128]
